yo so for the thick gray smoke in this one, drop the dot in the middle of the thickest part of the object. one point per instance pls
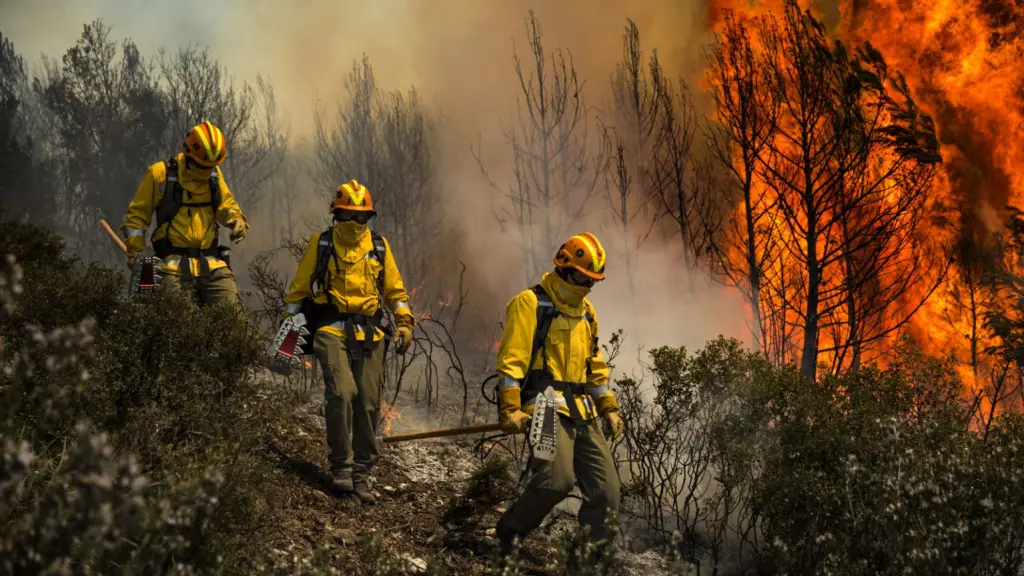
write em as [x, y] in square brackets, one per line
[458, 55]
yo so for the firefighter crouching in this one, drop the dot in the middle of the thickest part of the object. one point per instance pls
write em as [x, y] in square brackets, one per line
[550, 339]
[191, 200]
[346, 276]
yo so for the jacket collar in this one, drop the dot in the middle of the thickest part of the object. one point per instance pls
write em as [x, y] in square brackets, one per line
[568, 298]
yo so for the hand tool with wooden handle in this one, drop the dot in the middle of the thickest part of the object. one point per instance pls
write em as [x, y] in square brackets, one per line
[145, 276]
[113, 236]
[459, 431]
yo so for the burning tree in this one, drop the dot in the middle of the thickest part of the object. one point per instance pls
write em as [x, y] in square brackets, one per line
[838, 167]
[963, 62]
[745, 115]
[555, 168]
[984, 296]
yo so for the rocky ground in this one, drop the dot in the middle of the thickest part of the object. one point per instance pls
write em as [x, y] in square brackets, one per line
[438, 503]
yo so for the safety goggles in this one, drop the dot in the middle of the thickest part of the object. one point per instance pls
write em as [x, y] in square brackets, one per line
[352, 216]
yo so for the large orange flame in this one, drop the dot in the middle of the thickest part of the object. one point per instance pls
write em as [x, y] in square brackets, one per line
[962, 62]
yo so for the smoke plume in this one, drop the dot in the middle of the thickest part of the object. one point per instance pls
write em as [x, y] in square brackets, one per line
[458, 55]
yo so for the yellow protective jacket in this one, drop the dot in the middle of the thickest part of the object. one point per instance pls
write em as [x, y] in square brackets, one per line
[352, 282]
[570, 347]
[191, 227]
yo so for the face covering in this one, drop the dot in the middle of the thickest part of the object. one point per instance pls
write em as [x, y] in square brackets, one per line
[572, 293]
[194, 171]
[569, 294]
[351, 232]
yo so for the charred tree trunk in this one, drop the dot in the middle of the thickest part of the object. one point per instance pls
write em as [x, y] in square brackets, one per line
[555, 166]
[741, 241]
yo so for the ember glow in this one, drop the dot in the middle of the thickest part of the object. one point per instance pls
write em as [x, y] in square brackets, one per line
[962, 65]
[389, 414]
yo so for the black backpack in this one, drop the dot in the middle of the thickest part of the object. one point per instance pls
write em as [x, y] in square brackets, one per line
[325, 251]
[319, 315]
[172, 202]
[546, 313]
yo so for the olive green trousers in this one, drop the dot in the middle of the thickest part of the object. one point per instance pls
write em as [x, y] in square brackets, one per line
[581, 455]
[353, 404]
[218, 286]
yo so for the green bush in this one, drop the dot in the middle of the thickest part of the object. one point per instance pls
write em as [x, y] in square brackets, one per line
[876, 472]
[879, 473]
[134, 431]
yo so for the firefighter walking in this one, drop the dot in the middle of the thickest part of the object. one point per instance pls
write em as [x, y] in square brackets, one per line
[551, 339]
[346, 277]
[191, 201]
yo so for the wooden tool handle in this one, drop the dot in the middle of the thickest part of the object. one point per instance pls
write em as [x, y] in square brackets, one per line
[113, 236]
[495, 427]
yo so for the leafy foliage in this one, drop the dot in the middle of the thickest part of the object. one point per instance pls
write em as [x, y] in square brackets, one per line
[874, 472]
[124, 450]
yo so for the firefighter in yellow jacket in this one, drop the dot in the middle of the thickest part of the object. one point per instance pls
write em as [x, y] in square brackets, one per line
[551, 339]
[191, 201]
[346, 276]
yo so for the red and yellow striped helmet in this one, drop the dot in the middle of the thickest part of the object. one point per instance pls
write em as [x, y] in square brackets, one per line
[205, 144]
[582, 252]
[352, 196]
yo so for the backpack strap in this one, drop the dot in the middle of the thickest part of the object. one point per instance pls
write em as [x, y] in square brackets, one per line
[380, 249]
[171, 201]
[324, 253]
[593, 342]
[546, 312]
[215, 201]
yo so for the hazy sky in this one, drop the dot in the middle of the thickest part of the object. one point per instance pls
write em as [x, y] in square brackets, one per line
[249, 37]
[457, 52]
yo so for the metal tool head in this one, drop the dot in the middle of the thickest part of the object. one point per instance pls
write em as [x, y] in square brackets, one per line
[544, 427]
[147, 275]
[284, 352]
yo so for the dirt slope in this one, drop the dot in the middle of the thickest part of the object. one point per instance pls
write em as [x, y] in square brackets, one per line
[437, 504]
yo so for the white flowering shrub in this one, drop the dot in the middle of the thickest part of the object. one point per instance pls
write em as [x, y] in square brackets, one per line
[133, 434]
[77, 506]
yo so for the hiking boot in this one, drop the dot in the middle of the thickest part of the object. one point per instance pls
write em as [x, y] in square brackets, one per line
[341, 480]
[362, 490]
[508, 541]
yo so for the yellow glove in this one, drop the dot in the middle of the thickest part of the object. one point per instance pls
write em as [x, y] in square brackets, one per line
[513, 419]
[238, 228]
[613, 425]
[135, 246]
[404, 339]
